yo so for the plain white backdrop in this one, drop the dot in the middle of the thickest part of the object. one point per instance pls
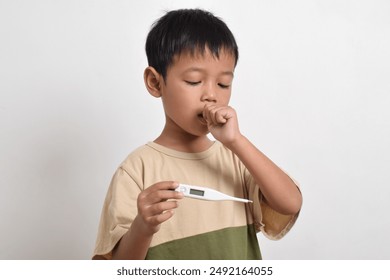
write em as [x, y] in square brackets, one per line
[311, 89]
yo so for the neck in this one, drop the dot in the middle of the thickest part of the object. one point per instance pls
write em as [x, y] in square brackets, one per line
[183, 143]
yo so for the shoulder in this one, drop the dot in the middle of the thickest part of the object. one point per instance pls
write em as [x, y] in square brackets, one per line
[139, 152]
[138, 157]
[131, 169]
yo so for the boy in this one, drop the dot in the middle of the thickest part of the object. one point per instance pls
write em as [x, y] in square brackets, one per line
[192, 56]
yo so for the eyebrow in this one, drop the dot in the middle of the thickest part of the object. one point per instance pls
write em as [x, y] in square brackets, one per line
[197, 69]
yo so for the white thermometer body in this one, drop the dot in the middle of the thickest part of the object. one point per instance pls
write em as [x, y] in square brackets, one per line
[206, 193]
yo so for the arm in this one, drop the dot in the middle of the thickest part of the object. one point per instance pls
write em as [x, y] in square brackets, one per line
[154, 208]
[278, 189]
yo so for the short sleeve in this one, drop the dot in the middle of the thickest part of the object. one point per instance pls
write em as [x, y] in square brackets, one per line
[119, 211]
[271, 223]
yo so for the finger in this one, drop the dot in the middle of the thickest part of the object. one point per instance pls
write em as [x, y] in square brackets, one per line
[161, 218]
[161, 195]
[164, 185]
[161, 207]
[157, 209]
[213, 115]
[218, 115]
[208, 114]
[222, 115]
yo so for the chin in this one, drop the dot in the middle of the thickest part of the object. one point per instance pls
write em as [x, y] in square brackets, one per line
[200, 133]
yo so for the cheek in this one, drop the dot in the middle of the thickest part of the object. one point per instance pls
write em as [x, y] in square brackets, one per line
[224, 99]
[178, 103]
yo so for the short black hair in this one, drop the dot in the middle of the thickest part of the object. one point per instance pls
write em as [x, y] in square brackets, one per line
[187, 30]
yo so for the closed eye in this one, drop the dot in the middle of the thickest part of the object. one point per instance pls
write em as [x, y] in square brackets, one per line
[191, 83]
[223, 86]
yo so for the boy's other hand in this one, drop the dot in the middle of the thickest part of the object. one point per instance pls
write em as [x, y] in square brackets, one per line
[155, 205]
[222, 123]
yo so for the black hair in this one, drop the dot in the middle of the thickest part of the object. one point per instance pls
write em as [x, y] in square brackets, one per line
[187, 30]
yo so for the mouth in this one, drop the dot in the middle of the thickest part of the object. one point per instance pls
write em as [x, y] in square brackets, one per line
[202, 119]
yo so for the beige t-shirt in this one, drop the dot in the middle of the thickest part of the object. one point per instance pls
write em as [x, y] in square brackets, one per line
[195, 221]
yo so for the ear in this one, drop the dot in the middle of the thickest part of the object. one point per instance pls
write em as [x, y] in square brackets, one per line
[153, 81]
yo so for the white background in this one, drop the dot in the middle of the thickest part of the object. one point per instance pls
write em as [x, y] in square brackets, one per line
[312, 91]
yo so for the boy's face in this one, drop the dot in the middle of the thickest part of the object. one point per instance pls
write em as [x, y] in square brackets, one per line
[192, 81]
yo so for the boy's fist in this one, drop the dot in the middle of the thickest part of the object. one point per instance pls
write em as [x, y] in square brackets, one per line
[222, 123]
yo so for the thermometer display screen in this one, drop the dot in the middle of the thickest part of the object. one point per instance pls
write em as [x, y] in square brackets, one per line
[196, 192]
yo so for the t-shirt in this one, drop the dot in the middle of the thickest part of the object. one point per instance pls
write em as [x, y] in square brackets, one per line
[199, 229]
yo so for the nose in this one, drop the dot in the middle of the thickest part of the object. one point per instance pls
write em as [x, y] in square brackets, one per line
[209, 94]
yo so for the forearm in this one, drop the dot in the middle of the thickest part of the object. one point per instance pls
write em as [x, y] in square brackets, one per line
[134, 244]
[279, 190]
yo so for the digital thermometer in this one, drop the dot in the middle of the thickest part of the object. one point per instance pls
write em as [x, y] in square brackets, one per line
[206, 193]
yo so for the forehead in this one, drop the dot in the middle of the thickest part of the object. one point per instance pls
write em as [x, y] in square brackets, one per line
[204, 59]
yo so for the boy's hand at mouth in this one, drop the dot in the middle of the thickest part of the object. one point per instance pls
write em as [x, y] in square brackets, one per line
[222, 123]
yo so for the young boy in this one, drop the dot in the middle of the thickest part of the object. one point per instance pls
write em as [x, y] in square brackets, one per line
[192, 56]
